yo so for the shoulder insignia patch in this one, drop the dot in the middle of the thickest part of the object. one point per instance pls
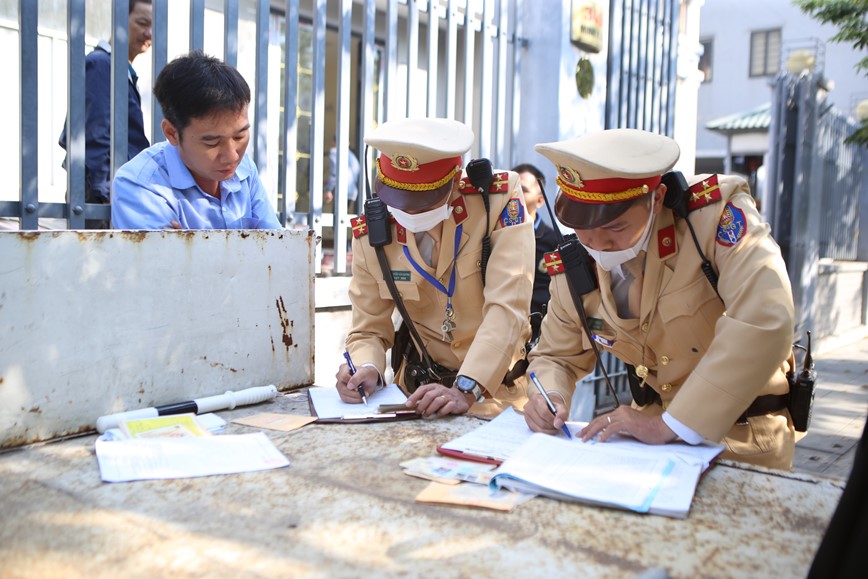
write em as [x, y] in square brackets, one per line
[512, 214]
[459, 210]
[732, 227]
[704, 193]
[360, 226]
[553, 263]
[500, 184]
[666, 241]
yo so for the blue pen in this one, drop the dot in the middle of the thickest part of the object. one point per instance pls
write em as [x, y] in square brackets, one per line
[549, 402]
[352, 372]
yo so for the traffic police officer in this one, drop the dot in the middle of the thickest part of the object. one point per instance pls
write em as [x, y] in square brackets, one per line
[473, 327]
[711, 365]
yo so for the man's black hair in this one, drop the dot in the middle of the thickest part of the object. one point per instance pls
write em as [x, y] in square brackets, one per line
[528, 168]
[197, 86]
[134, 2]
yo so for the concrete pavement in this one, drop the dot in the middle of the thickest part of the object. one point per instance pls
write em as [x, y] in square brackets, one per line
[840, 411]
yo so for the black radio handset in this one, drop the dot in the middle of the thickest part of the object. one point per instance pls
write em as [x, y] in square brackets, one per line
[581, 280]
[480, 174]
[677, 197]
[376, 215]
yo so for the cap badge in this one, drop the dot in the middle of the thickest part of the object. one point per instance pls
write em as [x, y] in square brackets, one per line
[570, 176]
[405, 163]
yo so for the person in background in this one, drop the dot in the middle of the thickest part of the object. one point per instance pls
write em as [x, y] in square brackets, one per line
[706, 360]
[350, 172]
[200, 177]
[532, 180]
[97, 124]
[471, 314]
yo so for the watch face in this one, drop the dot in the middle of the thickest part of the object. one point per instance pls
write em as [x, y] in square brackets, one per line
[465, 384]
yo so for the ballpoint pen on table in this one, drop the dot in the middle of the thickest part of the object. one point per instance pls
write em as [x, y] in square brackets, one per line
[352, 372]
[549, 402]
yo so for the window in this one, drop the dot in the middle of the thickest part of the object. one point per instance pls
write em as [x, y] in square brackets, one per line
[765, 52]
[705, 58]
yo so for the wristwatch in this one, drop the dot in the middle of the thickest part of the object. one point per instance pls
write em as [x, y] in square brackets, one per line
[469, 386]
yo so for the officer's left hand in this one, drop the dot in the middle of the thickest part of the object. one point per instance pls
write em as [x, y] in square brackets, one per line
[436, 400]
[626, 420]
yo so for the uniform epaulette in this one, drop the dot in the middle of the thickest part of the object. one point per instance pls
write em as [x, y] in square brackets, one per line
[500, 184]
[553, 263]
[360, 225]
[704, 193]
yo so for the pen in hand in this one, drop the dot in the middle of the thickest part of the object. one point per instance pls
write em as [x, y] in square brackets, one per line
[549, 402]
[352, 366]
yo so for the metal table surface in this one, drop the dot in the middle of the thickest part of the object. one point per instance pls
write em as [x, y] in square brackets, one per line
[345, 508]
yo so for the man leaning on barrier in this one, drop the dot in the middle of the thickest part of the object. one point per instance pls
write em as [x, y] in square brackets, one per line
[200, 177]
[456, 255]
[686, 286]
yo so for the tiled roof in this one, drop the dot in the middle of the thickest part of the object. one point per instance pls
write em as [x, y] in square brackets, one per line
[756, 120]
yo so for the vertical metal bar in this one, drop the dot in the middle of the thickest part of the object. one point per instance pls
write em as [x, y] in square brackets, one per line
[486, 103]
[672, 79]
[391, 56]
[469, 39]
[75, 107]
[119, 81]
[317, 122]
[260, 109]
[451, 57]
[197, 24]
[230, 26]
[433, 41]
[412, 52]
[290, 118]
[159, 52]
[613, 59]
[501, 157]
[367, 97]
[28, 18]
[340, 222]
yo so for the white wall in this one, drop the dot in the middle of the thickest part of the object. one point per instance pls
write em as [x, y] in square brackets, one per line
[731, 90]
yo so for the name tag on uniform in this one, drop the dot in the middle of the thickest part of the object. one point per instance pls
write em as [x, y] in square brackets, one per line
[400, 275]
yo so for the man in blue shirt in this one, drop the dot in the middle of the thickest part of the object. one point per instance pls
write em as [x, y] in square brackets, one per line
[200, 177]
[97, 124]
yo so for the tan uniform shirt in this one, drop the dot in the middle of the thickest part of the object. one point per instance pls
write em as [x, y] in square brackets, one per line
[709, 357]
[491, 322]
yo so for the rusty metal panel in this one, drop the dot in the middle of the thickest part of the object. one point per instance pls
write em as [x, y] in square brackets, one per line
[344, 508]
[93, 323]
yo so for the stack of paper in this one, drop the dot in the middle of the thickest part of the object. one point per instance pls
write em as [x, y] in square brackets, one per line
[621, 472]
[327, 406]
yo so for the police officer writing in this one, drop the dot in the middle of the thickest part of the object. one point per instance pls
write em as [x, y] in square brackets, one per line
[455, 257]
[707, 362]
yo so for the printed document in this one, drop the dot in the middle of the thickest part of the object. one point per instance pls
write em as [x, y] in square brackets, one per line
[327, 402]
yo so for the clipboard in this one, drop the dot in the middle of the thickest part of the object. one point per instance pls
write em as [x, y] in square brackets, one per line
[383, 406]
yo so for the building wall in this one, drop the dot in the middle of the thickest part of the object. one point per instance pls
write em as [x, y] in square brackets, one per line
[732, 90]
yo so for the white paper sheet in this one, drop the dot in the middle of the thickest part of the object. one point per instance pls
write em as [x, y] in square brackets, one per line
[163, 458]
[327, 402]
[497, 439]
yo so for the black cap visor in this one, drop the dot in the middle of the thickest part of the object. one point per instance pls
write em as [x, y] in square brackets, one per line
[412, 200]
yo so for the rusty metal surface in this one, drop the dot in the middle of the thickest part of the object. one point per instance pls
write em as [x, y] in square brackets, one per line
[345, 509]
[98, 322]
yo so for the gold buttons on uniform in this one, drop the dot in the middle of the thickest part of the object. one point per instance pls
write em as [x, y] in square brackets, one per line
[478, 263]
[666, 387]
[645, 327]
[456, 344]
[664, 360]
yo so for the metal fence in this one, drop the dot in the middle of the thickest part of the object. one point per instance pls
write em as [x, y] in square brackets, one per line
[815, 181]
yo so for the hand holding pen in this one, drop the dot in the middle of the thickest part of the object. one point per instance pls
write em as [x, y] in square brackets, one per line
[352, 368]
[549, 402]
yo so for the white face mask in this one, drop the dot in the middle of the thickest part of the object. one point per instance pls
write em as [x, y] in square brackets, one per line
[425, 221]
[612, 260]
